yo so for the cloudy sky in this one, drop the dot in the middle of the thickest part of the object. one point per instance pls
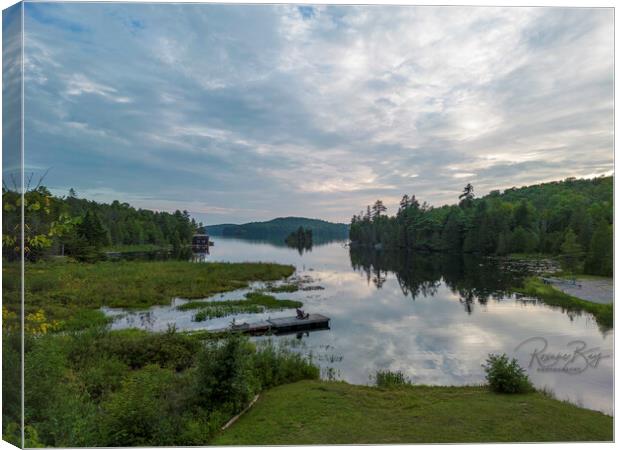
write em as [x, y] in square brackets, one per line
[240, 113]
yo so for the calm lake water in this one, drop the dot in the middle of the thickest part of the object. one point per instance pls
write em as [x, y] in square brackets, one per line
[435, 318]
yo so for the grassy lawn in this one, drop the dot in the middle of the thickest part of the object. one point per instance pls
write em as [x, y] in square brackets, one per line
[534, 287]
[317, 412]
[73, 292]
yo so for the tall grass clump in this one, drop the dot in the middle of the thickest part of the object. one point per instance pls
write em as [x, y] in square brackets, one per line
[276, 366]
[388, 379]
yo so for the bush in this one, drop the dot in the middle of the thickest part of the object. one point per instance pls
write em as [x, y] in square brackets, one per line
[103, 376]
[506, 376]
[56, 403]
[134, 415]
[387, 379]
[225, 377]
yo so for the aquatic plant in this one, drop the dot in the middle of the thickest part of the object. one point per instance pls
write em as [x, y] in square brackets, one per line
[388, 378]
[255, 302]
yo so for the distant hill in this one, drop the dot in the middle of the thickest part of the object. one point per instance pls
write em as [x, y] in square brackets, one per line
[281, 227]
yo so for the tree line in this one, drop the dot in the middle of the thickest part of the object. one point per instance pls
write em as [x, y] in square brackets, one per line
[81, 228]
[301, 239]
[572, 218]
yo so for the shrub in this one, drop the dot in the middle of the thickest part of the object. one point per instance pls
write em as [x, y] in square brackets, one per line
[56, 403]
[137, 349]
[224, 376]
[103, 376]
[134, 414]
[506, 376]
[387, 378]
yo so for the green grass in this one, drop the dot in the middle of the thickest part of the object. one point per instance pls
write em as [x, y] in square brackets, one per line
[319, 412]
[255, 302]
[533, 286]
[283, 288]
[65, 290]
[582, 276]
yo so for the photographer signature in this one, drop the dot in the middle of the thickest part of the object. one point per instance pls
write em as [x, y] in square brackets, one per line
[577, 359]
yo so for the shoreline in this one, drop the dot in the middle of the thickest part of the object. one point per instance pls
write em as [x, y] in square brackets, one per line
[547, 293]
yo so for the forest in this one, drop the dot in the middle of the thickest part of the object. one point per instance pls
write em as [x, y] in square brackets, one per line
[280, 228]
[81, 228]
[571, 219]
[300, 239]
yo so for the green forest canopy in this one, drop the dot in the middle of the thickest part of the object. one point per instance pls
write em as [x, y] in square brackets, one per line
[280, 228]
[79, 227]
[572, 218]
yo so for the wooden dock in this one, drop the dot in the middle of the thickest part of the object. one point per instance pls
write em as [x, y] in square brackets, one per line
[281, 325]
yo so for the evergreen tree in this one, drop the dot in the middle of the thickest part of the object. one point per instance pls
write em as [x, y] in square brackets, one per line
[601, 253]
[404, 204]
[524, 220]
[467, 197]
[453, 232]
[377, 209]
[571, 251]
[92, 230]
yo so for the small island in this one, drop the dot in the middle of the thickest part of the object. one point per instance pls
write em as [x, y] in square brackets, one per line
[300, 239]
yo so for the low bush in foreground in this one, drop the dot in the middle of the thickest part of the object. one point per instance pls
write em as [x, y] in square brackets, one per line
[506, 376]
[133, 388]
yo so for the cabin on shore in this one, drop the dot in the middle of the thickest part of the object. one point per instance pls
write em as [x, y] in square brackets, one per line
[200, 242]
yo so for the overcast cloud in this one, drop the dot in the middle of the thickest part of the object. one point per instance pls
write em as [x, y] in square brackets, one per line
[240, 113]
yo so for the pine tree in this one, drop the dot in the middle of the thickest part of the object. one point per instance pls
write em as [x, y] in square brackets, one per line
[467, 197]
[600, 256]
[92, 230]
[404, 203]
[377, 209]
[571, 251]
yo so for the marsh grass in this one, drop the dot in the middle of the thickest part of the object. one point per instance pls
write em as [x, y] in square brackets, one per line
[534, 287]
[255, 302]
[67, 290]
[289, 287]
[390, 379]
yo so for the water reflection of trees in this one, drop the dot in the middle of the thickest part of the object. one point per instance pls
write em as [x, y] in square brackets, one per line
[472, 279]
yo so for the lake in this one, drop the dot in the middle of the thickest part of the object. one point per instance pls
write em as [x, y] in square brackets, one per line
[435, 318]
